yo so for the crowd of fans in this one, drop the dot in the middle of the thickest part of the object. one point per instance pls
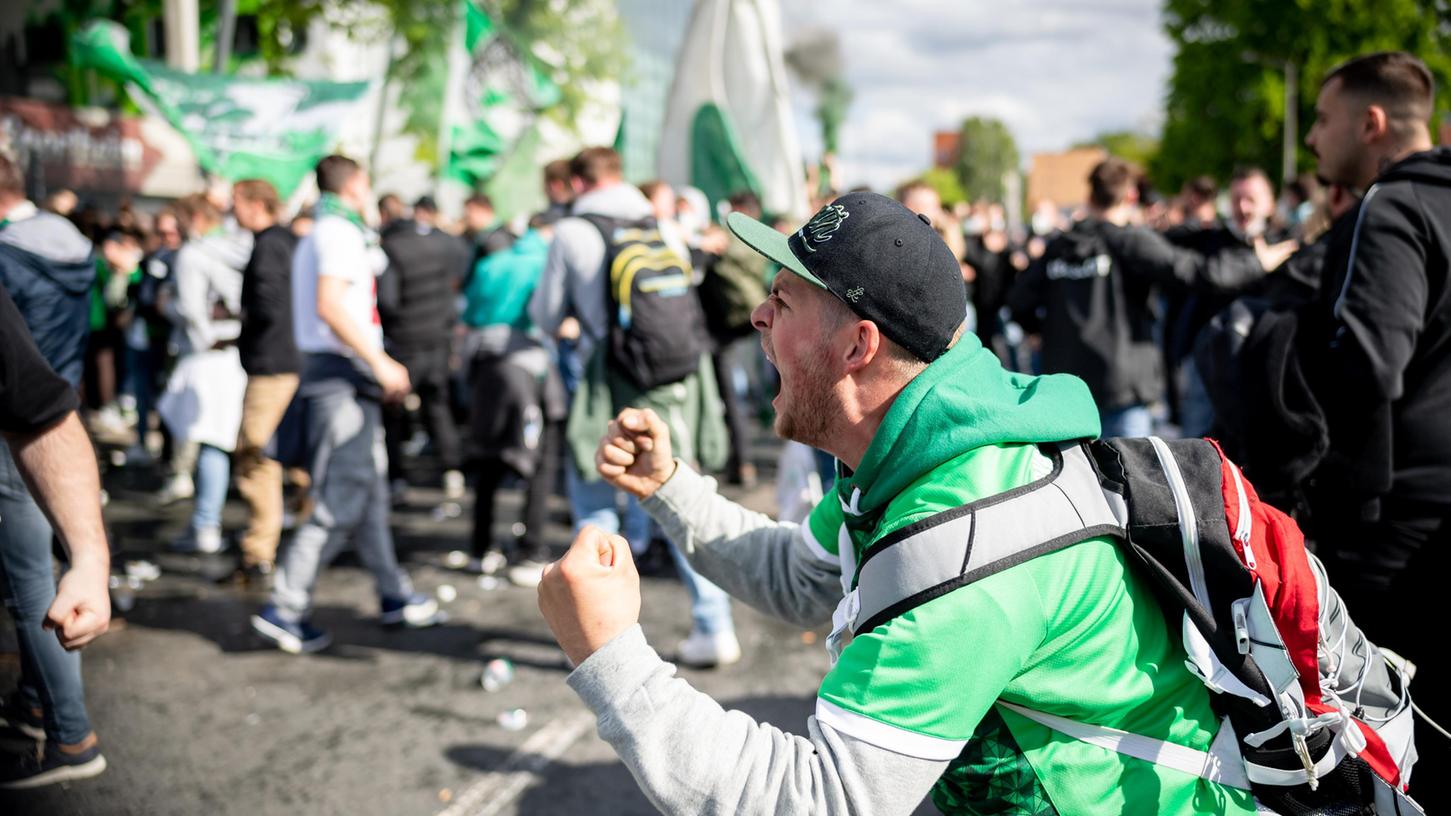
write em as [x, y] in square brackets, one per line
[327, 361]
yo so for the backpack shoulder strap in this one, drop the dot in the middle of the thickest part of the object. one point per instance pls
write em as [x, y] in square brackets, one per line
[957, 547]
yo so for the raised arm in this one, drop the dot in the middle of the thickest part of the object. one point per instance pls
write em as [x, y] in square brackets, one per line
[688, 754]
[772, 566]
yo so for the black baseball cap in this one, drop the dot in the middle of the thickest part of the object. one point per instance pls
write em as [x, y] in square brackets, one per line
[883, 261]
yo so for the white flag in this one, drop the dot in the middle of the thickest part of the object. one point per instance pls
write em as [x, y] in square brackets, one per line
[728, 124]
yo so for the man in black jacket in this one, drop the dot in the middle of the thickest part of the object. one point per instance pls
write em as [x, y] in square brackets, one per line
[272, 362]
[1249, 231]
[416, 301]
[1091, 298]
[1376, 348]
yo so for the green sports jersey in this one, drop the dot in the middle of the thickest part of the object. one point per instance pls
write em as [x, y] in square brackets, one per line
[1074, 633]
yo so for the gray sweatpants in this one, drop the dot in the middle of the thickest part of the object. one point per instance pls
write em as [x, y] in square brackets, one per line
[349, 468]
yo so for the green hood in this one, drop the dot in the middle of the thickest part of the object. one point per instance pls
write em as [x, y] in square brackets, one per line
[963, 401]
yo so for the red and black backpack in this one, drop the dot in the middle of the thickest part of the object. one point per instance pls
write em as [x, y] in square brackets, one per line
[1317, 719]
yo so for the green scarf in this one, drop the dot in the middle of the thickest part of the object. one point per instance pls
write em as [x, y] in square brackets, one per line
[963, 401]
[330, 204]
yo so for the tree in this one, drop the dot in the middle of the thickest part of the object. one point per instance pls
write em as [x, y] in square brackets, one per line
[944, 181]
[1139, 149]
[986, 153]
[1226, 105]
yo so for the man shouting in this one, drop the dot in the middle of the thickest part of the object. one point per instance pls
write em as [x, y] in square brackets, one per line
[948, 697]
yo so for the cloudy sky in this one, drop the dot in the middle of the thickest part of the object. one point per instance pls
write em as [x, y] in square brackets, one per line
[1056, 71]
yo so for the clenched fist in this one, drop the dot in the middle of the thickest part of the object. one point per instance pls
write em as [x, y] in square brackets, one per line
[634, 454]
[592, 594]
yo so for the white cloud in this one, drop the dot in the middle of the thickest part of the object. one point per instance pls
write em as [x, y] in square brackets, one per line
[1055, 71]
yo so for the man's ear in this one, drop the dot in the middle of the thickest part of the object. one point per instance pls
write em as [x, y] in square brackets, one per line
[866, 344]
[1374, 124]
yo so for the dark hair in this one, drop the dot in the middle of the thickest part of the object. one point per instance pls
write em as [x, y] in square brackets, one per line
[1148, 196]
[335, 171]
[1305, 186]
[1394, 80]
[1110, 182]
[425, 203]
[595, 164]
[479, 200]
[12, 181]
[747, 202]
[1202, 187]
[259, 191]
[558, 170]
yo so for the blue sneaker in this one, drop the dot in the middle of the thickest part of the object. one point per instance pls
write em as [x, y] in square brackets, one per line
[416, 611]
[48, 765]
[293, 638]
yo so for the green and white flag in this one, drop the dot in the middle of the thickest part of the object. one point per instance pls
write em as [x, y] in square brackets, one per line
[272, 129]
[728, 124]
[494, 107]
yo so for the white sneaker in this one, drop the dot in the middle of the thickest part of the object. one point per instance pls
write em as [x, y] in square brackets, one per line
[109, 420]
[453, 484]
[206, 540]
[527, 574]
[177, 488]
[701, 650]
[492, 563]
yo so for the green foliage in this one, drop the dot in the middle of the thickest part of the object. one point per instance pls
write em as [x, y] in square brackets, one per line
[986, 152]
[1139, 149]
[944, 181]
[1225, 105]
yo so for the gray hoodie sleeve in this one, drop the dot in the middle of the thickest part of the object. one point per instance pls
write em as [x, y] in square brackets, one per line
[765, 563]
[192, 304]
[689, 755]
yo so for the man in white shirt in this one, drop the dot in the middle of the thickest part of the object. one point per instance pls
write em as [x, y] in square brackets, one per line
[346, 376]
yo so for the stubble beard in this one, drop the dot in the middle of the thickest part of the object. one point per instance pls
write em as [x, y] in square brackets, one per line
[806, 414]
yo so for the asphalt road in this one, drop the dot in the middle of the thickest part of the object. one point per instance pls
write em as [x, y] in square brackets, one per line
[197, 715]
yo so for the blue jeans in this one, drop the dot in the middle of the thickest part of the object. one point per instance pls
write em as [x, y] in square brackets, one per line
[50, 676]
[141, 367]
[1196, 411]
[213, 472]
[596, 503]
[1133, 420]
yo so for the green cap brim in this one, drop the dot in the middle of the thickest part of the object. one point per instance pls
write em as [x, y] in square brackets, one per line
[768, 241]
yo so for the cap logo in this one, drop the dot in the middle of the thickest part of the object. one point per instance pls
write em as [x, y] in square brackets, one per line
[824, 225]
[855, 293]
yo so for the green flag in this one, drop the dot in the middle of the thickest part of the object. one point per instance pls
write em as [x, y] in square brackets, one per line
[504, 92]
[271, 129]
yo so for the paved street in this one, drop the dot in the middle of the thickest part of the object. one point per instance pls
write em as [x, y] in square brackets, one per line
[196, 715]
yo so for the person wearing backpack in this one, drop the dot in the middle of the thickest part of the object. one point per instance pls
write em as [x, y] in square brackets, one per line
[1091, 298]
[1376, 349]
[950, 696]
[641, 342]
[734, 282]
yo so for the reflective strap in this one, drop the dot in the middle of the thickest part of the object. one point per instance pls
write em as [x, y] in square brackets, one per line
[1067, 509]
[1188, 521]
[1221, 764]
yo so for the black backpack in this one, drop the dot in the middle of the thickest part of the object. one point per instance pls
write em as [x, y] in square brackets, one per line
[655, 318]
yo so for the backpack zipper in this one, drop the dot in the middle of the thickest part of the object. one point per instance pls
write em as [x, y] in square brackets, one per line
[1244, 528]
